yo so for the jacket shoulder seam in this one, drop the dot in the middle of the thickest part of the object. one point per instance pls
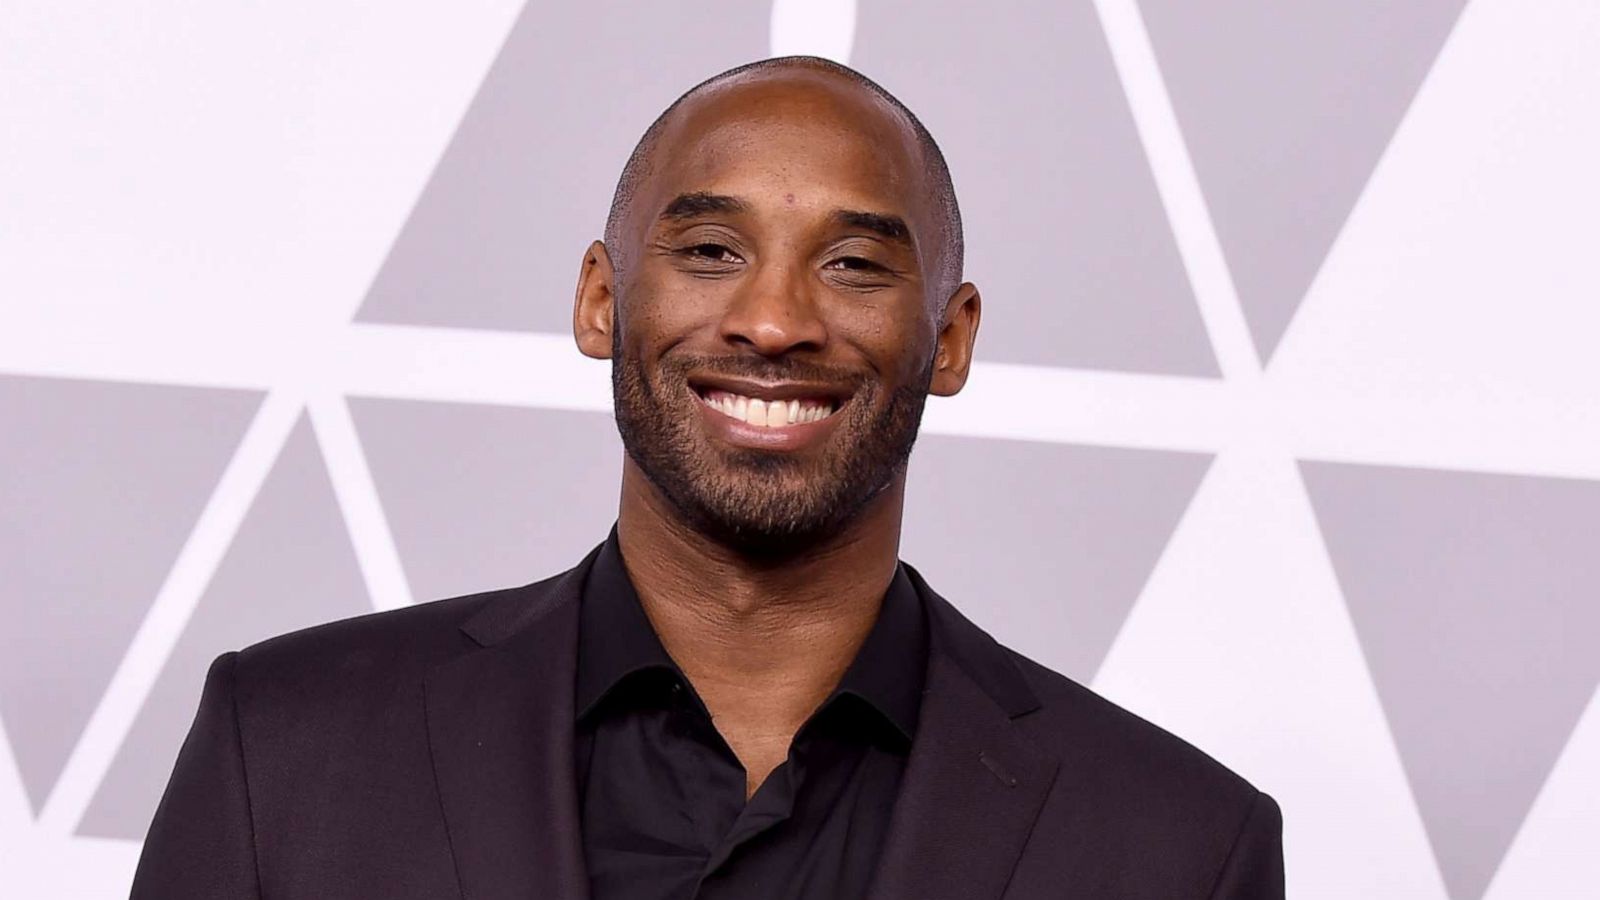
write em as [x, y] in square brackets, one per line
[1233, 848]
[244, 768]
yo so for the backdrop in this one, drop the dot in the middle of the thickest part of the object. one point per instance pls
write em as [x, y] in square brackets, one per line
[1285, 432]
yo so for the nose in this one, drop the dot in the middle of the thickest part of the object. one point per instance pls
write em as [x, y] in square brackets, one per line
[775, 313]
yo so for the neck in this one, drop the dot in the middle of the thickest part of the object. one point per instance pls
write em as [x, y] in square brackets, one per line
[763, 640]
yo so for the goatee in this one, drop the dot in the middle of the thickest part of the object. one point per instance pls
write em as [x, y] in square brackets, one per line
[763, 502]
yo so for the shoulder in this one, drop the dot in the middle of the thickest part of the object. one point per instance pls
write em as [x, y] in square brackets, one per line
[1074, 721]
[1119, 762]
[332, 668]
[1068, 720]
[389, 639]
[364, 658]
[361, 664]
[1130, 785]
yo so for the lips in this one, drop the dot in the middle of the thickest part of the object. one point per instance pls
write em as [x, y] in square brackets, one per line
[770, 404]
[769, 415]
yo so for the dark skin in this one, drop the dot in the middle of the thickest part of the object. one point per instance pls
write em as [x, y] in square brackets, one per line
[788, 269]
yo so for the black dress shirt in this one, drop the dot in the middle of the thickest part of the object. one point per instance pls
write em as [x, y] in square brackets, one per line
[662, 797]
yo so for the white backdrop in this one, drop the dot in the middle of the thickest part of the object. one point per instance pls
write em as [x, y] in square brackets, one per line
[1309, 459]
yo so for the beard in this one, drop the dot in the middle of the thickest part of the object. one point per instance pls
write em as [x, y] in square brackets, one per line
[763, 502]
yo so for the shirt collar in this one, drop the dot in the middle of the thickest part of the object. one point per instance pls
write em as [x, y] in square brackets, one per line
[615, 637]
[616, 640]
[889, 669]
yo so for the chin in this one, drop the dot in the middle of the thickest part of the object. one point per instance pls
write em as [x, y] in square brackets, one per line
[769, 525]
[798, 517]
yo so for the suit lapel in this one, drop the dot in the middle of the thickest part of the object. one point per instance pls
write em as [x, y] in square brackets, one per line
[973, 786]
[500, 724]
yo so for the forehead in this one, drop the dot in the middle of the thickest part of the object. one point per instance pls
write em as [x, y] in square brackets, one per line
[813, 135]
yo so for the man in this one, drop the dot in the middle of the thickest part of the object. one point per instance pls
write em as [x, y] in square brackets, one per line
[742, 692]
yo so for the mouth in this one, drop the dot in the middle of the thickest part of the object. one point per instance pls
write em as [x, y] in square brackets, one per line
[774, 416]
[769, 413]
[777, 405]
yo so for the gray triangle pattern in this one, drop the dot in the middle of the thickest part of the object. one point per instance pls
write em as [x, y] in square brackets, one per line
[102, 484]
[1286, 109]
[1078, 530]
[1476, 599]
[1066, 234]
[481, 496]
[497, 235]
[291, 565]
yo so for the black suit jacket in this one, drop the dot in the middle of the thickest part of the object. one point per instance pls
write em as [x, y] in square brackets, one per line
[427, 753]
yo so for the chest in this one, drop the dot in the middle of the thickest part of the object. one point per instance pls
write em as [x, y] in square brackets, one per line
[667, 811]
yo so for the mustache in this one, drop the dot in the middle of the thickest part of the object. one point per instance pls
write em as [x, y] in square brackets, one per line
[764, 369]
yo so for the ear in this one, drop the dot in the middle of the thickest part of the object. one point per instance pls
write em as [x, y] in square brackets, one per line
[594, 309]
[956, 334]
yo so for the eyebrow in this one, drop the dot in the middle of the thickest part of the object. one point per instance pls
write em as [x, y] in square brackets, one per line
[701, 203]
[884, 225]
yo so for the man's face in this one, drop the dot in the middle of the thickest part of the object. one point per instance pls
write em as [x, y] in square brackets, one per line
[774, 334]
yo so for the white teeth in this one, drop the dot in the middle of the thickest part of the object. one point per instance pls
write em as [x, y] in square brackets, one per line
[768, 413]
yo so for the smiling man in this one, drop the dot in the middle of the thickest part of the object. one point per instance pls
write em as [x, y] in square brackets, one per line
[742, 692]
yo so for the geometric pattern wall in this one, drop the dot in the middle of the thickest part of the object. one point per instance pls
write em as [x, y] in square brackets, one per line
[1072, 238]
[1284, 431]
[105, 482]
[290, 565]
[1286, 108]
[1472, 594]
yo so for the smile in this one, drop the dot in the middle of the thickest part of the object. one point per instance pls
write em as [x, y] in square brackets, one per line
[769, 413]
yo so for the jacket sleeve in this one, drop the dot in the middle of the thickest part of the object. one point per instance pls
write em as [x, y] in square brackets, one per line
[1254, 868]
[201, 843]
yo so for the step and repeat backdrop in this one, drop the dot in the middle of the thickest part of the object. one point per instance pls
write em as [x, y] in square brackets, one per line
[1284, 434]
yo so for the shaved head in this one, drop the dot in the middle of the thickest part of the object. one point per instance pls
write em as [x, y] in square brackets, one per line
[779, 291]
[935, 173]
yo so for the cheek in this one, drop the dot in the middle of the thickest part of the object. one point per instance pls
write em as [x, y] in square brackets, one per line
[896, 343]
[664, 314]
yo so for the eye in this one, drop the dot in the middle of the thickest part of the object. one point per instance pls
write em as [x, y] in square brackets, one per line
[855, 264]
[711, 253]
